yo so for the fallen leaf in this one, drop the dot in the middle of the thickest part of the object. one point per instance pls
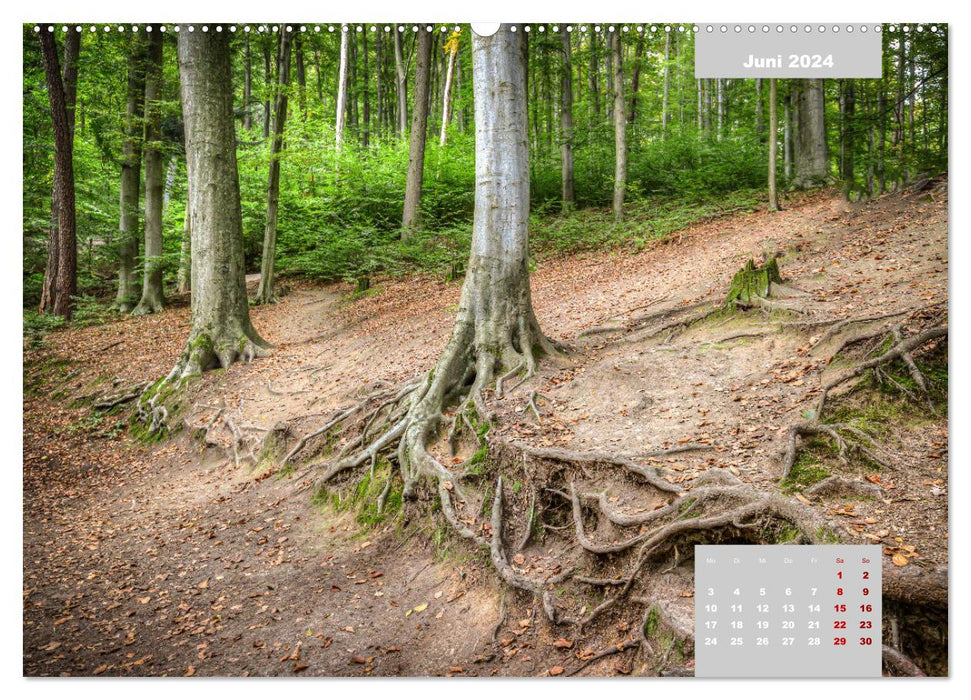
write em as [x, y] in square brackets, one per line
[557, 671]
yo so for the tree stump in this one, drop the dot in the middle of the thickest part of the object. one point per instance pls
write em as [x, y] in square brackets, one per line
[753, 282]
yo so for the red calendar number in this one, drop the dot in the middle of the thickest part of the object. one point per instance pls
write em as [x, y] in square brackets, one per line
[839, 624]
[839, 641]
[866, 641]
[866, 607]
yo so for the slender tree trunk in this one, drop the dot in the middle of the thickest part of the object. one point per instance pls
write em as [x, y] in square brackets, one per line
[65, 281]
[131, 165]
[848, 136]
[773, 145]
[810, 148]
[592, 77]
[379, 81]
[419, 124]
[184, 277]
[620, 129]
[882, 140]
[635, 81]
[366, 136]
[453, 48]
[401, 84]
[72, 46]
[153, 297]
[301, 72]
[264, 294]
[566, 124]
[353, 94]
[787, 138]
[267, 82]
[342, 89]
[720, 100]
[665, 95]
[759, 121]
[221, 332]
[247, 86]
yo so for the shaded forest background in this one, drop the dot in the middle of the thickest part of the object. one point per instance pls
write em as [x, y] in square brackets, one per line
[695, 148]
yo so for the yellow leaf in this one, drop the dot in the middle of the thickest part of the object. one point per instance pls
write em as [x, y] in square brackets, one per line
[900, 560]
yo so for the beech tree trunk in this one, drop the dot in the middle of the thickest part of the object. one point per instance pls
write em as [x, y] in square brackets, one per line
[131, 166]
[495, 329]
[401, 83]
[566, 124]
[773, 145]
[665, 95]
[153, 297]
[787, 138]
[264, 294]
[635, 81]
[221, 332]
[64, 286]
[848, 137]
[447, 92]
[72, 46]
[247, 86]
[810, 153]
[267, 81]
[419, 128]
[620, 129]
[341, 90]
[366, 114]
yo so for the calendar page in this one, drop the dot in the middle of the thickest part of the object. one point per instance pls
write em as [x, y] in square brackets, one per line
[596, 346]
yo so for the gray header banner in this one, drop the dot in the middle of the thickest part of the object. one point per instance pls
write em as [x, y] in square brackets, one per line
[788, 51]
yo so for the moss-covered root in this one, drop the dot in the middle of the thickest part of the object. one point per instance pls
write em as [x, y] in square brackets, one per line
[205, 351]
[753, 283]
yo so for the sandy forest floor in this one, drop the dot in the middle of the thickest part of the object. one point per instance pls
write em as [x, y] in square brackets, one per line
[171, 559]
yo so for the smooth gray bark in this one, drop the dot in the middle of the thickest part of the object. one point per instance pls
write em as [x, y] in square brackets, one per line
[221, 332]
[131, 165]
[419, 133]
[810, 154]
[620, 129]
[264, 294]
[341, 89]
[447, 92]
[566, 124]
[401, 83]
[773, 145]
[153, 297]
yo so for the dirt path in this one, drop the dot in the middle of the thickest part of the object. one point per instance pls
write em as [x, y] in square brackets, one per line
[173, 560]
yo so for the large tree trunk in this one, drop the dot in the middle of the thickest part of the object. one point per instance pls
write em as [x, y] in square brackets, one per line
[153, 297]
[72, 47]
[131, 166]
[64, 286]
[419, 124]
[620, 129]
[452, 47]
[495, 329]
[264, 295]
[566, 124]
[773, 145]
[401, 83]
[811, 157]
[221, 332]
[341, 90]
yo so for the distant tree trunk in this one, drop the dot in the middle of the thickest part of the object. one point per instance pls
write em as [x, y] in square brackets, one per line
[72, 46]
[352, 87]
[264, 294]
[810, 148]
[759, 122]
[401, 84]
[267, 81]
[419, 124]
[720, 103]
[665, 95]
[366, 135]
[592, 78]
[247, 86]
[221, 332]
[451, 48]
[787, 138]
[620, 129]
[301, 73]
[379, 82]
[635, 81]
[773, 145]
[341, 90]
[882, 140]
[184, 277]
[566, 124]
[131, 165]
[153, 297]
[65, 281]
[898, 136]
[848, 136]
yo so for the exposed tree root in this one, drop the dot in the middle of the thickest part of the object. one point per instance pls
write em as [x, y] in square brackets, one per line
[901, 663]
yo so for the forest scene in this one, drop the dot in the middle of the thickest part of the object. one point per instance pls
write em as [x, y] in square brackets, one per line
[400, 350]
